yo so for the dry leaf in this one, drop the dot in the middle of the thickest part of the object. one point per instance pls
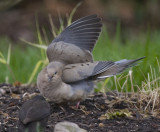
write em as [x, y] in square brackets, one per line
[15, 96]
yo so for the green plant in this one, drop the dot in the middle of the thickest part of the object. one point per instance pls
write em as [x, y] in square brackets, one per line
[6, 62]
[115, 114]
[145, 100]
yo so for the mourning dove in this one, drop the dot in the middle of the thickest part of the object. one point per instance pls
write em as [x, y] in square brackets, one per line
[34, 114]
[71, 70]
[74, 82]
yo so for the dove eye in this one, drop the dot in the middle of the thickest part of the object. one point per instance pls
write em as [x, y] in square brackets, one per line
[55, 73]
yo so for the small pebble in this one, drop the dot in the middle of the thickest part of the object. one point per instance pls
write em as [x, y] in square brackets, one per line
[101, 125]
[67, 127]
[2, 92]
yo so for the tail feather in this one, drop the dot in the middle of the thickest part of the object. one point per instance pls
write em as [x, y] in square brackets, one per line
[116, 68]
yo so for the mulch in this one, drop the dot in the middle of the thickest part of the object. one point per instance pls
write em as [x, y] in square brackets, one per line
[87, 116]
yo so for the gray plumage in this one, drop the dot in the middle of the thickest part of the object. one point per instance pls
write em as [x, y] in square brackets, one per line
[71, 72]
[34, 114]
[52, 87]
[96, 70]
[82, 33]
[76, 41]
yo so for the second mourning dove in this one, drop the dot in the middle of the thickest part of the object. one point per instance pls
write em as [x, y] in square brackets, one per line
[33, 115]
[71, 72]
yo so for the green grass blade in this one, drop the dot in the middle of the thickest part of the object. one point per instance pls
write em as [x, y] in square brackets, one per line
[39, 38]
[38, 32]
[9, 54]
[44, 47]
[3, 61]
[52, 26]
[147, 47]
[34, 72]
[104, 85]
[1, 55]
[72, 13]
[118, 33]
[45, 35]
[61, 24]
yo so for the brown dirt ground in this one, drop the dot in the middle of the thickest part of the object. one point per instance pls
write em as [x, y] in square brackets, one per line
[87, 116]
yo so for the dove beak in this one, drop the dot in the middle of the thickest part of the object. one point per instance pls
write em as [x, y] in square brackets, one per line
[50, 78]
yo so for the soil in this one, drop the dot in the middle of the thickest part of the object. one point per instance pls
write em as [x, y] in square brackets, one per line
[87, 116]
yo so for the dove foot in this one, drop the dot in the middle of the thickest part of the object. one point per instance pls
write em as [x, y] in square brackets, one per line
[75, 107]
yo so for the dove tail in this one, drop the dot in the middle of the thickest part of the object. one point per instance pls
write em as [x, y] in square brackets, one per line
[105, 69]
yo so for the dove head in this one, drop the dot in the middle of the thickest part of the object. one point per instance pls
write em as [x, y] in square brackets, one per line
[54, 72]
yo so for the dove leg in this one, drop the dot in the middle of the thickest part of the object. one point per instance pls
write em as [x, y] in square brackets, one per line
[77, 105]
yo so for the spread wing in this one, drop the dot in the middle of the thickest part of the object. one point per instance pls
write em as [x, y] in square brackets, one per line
[82, 34]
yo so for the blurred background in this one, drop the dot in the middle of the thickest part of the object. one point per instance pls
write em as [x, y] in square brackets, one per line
[17, 17]
[131, 30]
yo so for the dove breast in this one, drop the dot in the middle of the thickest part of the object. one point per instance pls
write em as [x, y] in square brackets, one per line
[68, 53]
